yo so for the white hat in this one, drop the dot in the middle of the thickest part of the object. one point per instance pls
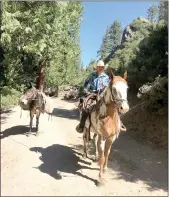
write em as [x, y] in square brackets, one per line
[100, 63]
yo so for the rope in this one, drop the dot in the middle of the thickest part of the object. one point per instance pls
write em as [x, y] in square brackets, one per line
[20, 143]
[133, 108]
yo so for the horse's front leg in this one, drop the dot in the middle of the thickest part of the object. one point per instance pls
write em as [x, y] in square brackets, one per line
[31, 121]
[85, 142]
[108, 145]
[37, 121]
[101, 146]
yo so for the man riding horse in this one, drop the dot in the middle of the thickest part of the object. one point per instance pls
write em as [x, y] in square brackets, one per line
[97, 81]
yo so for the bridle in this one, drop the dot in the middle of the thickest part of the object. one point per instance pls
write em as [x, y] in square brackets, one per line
[115, 99]
[35, 99]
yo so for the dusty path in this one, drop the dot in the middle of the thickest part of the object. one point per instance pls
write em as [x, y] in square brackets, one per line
[51, 164]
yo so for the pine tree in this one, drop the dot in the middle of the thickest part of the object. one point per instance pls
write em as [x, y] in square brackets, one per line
[115, 36]
[103, 52]
[153, 13]
[163, 11]
[111, 40]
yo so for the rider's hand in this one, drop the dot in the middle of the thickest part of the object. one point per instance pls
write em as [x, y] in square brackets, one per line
[85, 90]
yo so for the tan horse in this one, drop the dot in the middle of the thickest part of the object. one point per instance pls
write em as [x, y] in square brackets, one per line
[104, 118]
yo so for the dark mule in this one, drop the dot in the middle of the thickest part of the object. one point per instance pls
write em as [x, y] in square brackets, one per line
[104, 119]
[85, 104]
[35, 103]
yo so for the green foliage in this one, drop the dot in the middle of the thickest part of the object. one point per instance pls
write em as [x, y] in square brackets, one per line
[153, 13]
[163, 11]
[9, 97]
[35, 31]
[157, 96]
[151, 59]
[111, 40]
[144, 55]
[104, 49]
[140, 28]
[115, 36]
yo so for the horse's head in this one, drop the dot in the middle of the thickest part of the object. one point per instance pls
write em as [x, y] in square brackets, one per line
[118, 86]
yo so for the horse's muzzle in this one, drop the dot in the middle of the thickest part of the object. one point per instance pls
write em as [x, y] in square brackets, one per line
[124, 107]
[24, 101]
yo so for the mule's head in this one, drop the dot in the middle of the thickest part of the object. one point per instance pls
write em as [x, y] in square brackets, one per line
[118, 86]
[23, 101]
[38, 100]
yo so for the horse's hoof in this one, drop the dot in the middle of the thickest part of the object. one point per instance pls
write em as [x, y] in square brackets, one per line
[78, 129]
[84, 156]
[28, 135]
[105, 168]
[99, 183]
[96, 159]
[37, 134]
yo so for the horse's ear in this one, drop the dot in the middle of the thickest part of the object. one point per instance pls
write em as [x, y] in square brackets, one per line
[111, 75]
[125, 75]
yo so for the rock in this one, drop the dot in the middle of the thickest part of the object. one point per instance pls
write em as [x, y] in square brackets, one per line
[130, 31]
[144, 89]
[71, 94]
[51, 92]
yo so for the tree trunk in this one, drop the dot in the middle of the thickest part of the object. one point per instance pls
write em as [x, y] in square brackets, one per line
[1, 49]
[40, 76]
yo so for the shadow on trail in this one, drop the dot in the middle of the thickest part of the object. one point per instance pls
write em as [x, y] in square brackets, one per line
[65, 113]
[58, 158]
[16, 130]
[4, 115]
[70, 100]
[133, 163]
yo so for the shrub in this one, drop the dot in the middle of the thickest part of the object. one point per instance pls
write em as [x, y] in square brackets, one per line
[155, 94]
[9, 97]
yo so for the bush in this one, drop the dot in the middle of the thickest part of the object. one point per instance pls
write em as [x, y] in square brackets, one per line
[155, 94]
[9, 97]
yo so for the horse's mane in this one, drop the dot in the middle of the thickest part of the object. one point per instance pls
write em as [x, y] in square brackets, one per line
[103, 100]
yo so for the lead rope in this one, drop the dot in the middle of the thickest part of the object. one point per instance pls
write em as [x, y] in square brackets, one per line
[133, 108]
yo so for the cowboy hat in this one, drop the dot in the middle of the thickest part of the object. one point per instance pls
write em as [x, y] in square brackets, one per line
[100, 63]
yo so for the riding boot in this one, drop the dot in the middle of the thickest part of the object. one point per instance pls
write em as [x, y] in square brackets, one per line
[80, 126]
[122, 127]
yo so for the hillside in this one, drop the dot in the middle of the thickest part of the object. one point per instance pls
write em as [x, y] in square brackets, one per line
[144, 54]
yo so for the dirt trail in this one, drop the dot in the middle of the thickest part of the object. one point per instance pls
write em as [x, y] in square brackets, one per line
[51, 164]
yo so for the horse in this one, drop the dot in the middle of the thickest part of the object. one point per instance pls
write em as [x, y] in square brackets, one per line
[34, 101]
[104, 120]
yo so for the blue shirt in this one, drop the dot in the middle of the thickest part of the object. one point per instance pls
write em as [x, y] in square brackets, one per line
[96, 82]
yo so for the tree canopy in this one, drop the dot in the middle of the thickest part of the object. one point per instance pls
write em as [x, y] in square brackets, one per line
[35, 31]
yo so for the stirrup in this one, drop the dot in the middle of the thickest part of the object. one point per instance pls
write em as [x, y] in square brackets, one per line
[122, 127]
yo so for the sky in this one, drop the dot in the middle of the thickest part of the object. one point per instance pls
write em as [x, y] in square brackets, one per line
[98, 15]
